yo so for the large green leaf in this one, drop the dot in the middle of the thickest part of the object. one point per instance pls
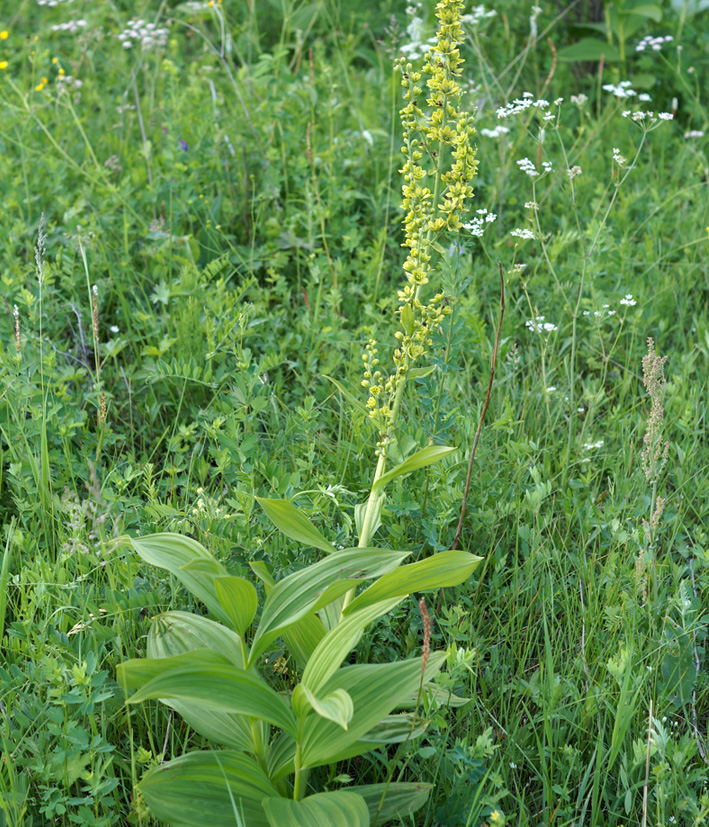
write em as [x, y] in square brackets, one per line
[206, 677]
[302, 637]
[239, 599]
[339, 642]
[402, 799]
[447, 568]
[173, 552]
[336, 707]
[174, 633]
[333, 809]
[294, 524]
[397, 728]
[307, 590]
[426, 456]
[281, 756]
[208, 788]
[375, 690]
[589, 48]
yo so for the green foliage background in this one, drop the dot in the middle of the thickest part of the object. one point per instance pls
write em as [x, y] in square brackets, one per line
[236, 197]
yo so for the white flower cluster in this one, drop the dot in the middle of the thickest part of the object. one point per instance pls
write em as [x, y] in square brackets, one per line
[694, 133]
[579, 100]
[622, 90]
[538, 325]
[618, 158]
[574, 172]
[651, 117]
[521, 104]
[589, 446]
[628, 300]
[476, 16]
[603, 313]
[654, 43]
[522, 233]
[476, 225]
[147, 34]
[528, 166]
[72, 26]
[497, 132]
[52, 3]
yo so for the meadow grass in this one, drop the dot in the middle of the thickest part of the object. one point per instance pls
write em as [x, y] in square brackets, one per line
[223, 232]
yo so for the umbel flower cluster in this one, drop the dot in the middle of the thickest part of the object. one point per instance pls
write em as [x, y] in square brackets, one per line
[439, 165]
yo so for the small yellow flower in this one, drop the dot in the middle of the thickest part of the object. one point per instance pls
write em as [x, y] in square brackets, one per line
[55, 60]
[3, 64]
[4, 35]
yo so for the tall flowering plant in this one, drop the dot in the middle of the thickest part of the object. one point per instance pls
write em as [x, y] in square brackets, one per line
[210, 670]
[435, 198]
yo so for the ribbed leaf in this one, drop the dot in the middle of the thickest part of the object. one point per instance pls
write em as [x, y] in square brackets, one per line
[402, 799]
[336, 707]
[302, 637]
[426, 456]
[238, 599]
[375, 690]
[174, 633]
[338, 643]
[206, 677]
[305, 591]
[294, 524]
[206, 788]
[334, 809]
[447, 568]
[397, 728]
[173, 552]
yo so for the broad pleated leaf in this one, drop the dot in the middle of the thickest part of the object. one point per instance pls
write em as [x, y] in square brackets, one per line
[338, 643]
[336, 707]
[447, 568]
[375, 690]
[307, 590]
[397, 728]
[281, 756]
[426, 456]
[402, 799]
[302, 637]
[239, 600]
[173, 552]
[334, 809]
[205, 788]
[206, 677]
[294, 524]
[173, 633]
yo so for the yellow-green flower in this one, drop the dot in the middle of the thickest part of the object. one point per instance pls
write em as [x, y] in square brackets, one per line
[438, 168]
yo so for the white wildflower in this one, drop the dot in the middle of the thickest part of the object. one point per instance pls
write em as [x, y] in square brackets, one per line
[628, 301]
[520, 233]
[538, 325]
[528, 167]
